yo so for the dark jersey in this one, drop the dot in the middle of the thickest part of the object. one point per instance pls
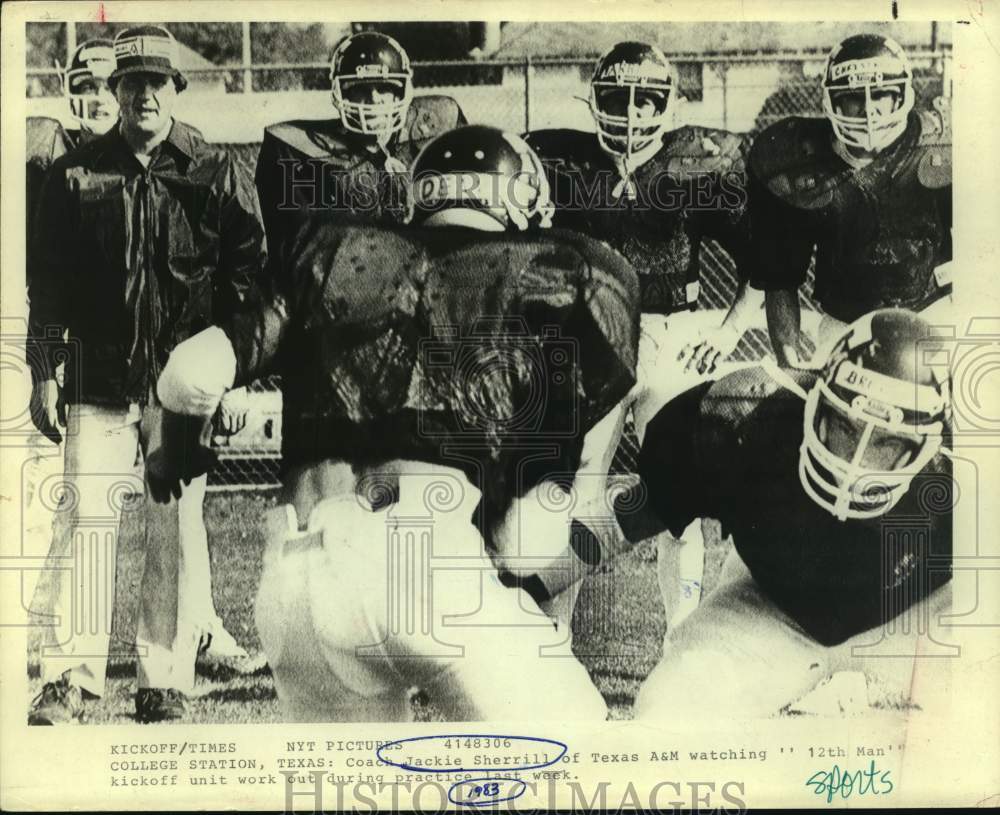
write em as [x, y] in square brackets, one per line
[878, 231]
[486, 351]
[319, 164]
[47, 139]
[692, 189]
[730, 450]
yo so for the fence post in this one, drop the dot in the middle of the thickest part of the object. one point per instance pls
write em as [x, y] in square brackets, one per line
[247, 59]
[724, 76]
[70, 43]
[527, 94]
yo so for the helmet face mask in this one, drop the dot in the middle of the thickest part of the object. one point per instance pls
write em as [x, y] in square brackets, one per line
[862, 75]
[868, 433]
[632, 100]
[85, 85]
[481, 169]
[372, 85]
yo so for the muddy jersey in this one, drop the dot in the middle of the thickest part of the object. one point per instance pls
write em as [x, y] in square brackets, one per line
[690, 190]
[878, 232]
[729, 449]
[490, 351]
[320, 165]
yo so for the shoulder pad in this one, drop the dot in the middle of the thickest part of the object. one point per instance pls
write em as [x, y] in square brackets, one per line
[305, 138]
[374, 270]
[432, 115]
[794, 159]
[748, 393]
[934, 167]
[701, 150]
[575, 147]
[47, 139]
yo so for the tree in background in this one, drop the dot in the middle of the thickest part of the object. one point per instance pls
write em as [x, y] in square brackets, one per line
[290, 42]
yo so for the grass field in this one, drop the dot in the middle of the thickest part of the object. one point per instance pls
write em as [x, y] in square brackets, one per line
[619, 648]
[618, 628]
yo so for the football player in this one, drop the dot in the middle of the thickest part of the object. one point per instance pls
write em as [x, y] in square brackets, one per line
[842, 531]
[868, 188]
[656, 189]
[94, 109]
[528, 339]
[92, 106]
[355, 163]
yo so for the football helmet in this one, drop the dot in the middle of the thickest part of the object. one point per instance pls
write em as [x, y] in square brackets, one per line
[372, 84]
[632, 100]
[484, 169]
[85, 85]
[867, 66]
[875, 417]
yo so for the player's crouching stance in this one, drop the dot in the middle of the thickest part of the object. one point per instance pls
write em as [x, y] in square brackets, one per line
[366, 595]
[842, 535]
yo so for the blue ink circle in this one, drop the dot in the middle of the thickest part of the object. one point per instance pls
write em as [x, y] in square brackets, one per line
[486, 801]
[378, 753]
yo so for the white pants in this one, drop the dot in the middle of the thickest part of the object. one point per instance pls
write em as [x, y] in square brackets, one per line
[79, 589]
[739, 655]
[365, 605]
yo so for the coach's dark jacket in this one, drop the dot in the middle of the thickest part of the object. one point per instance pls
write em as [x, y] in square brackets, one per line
[132, 260]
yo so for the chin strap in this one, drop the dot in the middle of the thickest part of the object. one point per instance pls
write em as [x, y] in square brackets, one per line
[782, 377]
[851, 160]
[392, 164]
[626, 184]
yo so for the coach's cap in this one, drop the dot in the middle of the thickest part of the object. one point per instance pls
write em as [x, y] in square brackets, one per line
[146, 49]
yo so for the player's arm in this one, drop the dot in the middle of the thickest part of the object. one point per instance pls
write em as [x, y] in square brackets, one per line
[199, 374]
[269, 181]
[781, 247]
[725, 220]
[675, 484]
[784, 324]
[52, 266]
[240, 276]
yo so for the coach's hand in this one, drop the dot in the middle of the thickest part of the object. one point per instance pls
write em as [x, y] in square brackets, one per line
[233, 410]
[178, 455]
[48, 411]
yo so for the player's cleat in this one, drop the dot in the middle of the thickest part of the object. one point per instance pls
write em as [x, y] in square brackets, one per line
[58, 703]
[218, 643]
[219, 648]
[159, 705]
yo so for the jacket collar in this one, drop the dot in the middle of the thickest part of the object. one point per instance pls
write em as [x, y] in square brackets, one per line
[180, 139]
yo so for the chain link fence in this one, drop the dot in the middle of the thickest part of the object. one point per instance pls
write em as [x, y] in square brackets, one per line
[740, 92]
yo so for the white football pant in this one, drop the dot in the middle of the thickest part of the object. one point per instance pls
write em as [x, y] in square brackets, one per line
[362, 606]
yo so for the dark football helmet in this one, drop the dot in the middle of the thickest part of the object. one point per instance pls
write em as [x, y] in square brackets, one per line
[372, 84]
[632, 99]
[85, 85]
[868, 91]
[481, 168]
[875, 417]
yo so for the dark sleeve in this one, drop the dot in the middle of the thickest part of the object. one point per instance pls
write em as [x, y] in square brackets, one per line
[257, 335]
[725, 220]
[240, 277]
[945, 213]
[674, 485]
[52, 267]
[268, 180]
[781, 241]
